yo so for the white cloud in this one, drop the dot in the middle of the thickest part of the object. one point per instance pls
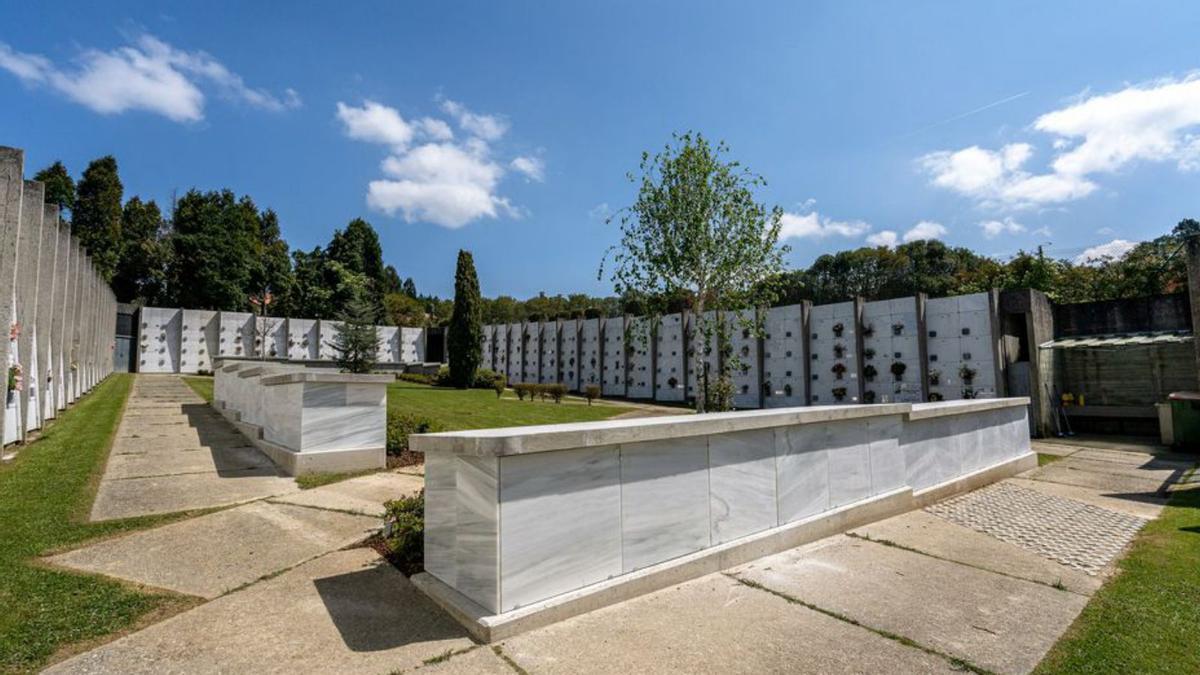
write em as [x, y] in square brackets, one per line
[1113, 250]
[430, 177]
[813, 225]
[486, 127]
[887, 238]
[532, 167]
[600, 211]
[995, 228]
[148, 74]
[926, 229]
[1097, 135]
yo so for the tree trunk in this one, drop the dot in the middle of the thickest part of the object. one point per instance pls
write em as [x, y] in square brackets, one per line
[698, 356]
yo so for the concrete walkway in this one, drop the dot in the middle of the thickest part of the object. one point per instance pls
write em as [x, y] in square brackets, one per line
[172, 453]
[973, 582]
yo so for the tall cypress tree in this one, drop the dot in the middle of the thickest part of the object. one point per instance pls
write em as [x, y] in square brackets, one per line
[466, 331]
[96, 218]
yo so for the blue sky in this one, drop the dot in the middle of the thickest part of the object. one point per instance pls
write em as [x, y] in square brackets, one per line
[508, 128]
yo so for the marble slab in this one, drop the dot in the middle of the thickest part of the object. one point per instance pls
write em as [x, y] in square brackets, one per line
[477, 530]
[664, 501]
[742, 484]
[803, 472]
[560, 516]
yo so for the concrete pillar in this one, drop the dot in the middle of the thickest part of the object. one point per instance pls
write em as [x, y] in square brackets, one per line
[1193, 272]
[58, 340]
[47, 276]
[29, 251]
[923, 345]
[861, 386]
[806, 341]
[12, 166]
[72, 327]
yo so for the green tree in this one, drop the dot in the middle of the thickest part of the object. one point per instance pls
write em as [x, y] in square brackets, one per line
[355, 341]
[391, 281]
[410, 287]
[465, 334]
[401, 309]
[697, 230]
[96, 216]
[140, 276]
[271, 274]
[60, 187]
[215, 251]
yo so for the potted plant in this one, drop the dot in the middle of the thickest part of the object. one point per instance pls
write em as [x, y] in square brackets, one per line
[967, 373]
[839, 350]
[869, 372]
[935, 377]
[897, 328]
[838, 329]
[838, 369]
[839, 393]
[898, 368]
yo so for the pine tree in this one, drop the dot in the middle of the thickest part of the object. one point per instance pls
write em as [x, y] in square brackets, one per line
[355, 341]
[465, 331]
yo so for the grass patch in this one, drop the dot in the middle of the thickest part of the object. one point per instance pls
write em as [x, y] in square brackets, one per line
[45, 496]
[311, 480]
[203, 386]
[1144, 620]
[458, 409]
[1044, 459]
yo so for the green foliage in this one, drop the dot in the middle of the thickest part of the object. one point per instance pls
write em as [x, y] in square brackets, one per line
[416, 378]
[355, 342]
[591, 392]
[404, 532]
[696, 231]
[402, 309]
[456, 409]
[60, 187]
[401, 425]
[465, 333]
[499, 384]
[556, 391]
[96, 216]
[141, 268]
[357, 250]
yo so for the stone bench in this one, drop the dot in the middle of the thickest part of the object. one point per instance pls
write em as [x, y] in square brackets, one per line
[526, 526]
[307, 420]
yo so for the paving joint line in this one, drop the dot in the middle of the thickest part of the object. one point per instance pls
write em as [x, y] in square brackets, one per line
[891, 544]
[896, 637]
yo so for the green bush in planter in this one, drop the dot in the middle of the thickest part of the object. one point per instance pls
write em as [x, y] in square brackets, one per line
[401, 426]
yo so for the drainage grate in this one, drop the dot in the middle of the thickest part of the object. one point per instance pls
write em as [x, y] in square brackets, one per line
[1078, 535]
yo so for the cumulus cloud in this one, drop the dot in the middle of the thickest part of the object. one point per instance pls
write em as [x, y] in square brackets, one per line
[925, 229]
[532, 167]
[815, 226]
[148, 74]
[431, 176]
[1094, 136]
[995, 228]
[1113, 250]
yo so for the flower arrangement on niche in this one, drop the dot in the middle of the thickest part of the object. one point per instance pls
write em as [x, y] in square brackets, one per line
[868, 329]
[838, 329]
[934, 396]
[839, 393]
[787, 390]
[14, 331]
[868, 396]
[967, 373]
[897, 328]
[869, 372]
[898, 368]
[935, 378]
[838, 370]
[839, 350]
[869, 353]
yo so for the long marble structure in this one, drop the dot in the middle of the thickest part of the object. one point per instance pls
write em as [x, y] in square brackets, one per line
[60, 314]
[907, 350]
[306, 420]
[528, 525]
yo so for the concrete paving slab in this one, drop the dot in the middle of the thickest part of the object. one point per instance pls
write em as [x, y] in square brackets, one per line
[227, 460]
[129, 497]
[218, 552]
[1044, 448]
[364, 494]
[481, 659]
[996, 622]
[345, 612]
[713, 625]
[1153, 471]
[938, 537]
[1111, 483]
[1145, 506]
[1138, 460]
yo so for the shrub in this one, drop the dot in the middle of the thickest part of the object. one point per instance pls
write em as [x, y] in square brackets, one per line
[402, 425]
[591, 392]
[485, 378]
[404, 533]
[719, 394]
[442, 378]
[498, 385]
[556, 391]
[418, 378]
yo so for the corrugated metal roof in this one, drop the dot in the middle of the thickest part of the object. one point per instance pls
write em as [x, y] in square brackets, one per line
[1117, 340]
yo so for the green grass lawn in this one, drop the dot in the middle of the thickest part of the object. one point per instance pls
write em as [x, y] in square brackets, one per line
[1147, 618]
[457, 409]
[45, 496]
[202, 386]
